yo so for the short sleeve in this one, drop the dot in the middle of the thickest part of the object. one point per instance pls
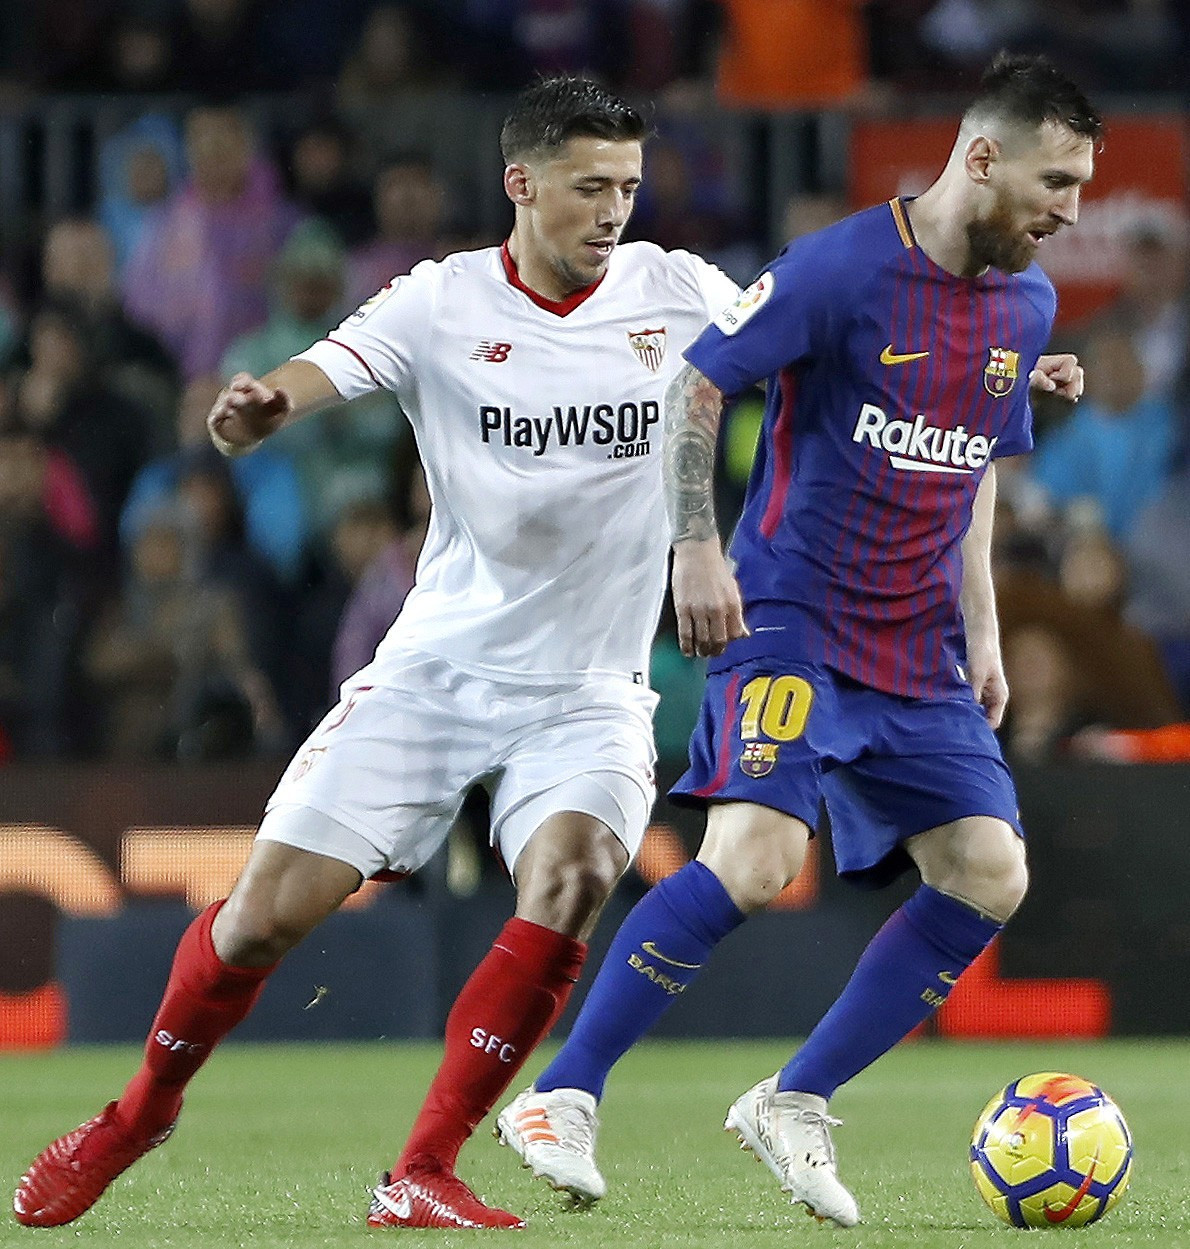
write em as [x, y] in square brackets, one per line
[376, 347]
[718, 291]
[779, 320]
[1017, 438]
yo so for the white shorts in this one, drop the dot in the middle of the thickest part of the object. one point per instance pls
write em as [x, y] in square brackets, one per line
[390, 765]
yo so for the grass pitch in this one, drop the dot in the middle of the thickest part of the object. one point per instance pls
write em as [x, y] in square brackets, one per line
[279, 1145]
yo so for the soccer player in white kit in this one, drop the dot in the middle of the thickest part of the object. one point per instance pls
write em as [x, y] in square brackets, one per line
[533, 376]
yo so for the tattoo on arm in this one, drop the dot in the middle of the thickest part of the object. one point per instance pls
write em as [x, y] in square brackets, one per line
[693, 407]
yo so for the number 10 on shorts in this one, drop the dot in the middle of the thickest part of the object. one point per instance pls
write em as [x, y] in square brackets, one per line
[776, 707]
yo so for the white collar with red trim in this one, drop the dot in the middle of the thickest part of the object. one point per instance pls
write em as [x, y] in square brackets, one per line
[559, 307]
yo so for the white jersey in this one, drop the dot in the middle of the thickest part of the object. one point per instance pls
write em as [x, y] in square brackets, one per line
[539, 426]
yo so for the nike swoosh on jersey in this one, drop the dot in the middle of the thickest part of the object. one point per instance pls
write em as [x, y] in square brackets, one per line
[888, 356]
[653, 952]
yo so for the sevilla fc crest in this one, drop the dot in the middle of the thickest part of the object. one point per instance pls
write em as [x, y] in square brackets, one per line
[999, 374]
[649, 346]
[758, 759]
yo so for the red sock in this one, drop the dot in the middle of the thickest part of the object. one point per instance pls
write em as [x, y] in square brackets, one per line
[509, 1004]
[203, 1001]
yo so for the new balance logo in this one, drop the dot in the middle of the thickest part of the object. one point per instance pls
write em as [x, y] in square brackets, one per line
[491, 353]
[921, 448]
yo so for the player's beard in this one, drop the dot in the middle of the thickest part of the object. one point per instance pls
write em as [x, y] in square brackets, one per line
[572, 277]
[999, 242]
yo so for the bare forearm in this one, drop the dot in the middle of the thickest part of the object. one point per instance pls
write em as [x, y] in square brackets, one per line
[306, 384]
[248, 410]
[693, 410]
[978, 596]
[979, 607]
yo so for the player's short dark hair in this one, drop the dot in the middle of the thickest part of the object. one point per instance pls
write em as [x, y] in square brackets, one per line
[554, 110]
[1030, 91]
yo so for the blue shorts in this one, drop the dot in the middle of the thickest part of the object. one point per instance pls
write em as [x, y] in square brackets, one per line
[792, 735]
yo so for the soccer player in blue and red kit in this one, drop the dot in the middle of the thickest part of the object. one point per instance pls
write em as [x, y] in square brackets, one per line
[855, 655]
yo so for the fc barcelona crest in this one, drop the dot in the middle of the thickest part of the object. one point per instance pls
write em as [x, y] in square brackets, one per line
[649, 346]
[758, 759]
[999, 374]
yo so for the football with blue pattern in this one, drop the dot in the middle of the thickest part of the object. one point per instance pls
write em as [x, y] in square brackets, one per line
[1051, 1150]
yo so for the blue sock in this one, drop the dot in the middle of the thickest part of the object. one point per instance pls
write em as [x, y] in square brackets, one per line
[903, 976]
[657, 952]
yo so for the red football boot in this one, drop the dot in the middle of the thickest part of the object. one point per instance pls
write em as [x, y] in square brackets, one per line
[68, 1177]
[432, 1198]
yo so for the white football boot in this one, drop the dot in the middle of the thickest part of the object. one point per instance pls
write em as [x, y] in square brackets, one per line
[554, 1133]
[790, 1133]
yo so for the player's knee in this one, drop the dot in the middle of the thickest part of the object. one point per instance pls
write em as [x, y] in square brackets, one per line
[1010, 872]
[754, 859]
[587, 883]
[571, 887]
[986, 869]
[563, 883]
[282, 894]
[247, 935]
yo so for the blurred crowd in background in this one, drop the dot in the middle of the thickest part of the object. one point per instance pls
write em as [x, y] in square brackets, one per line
[158, 602]
[818, 50]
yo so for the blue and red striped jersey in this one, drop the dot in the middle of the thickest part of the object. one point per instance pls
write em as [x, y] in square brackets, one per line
[891, 385]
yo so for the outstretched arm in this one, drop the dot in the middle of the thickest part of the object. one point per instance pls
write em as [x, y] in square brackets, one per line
[249, 409]
[706, 597]
[985, 666]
